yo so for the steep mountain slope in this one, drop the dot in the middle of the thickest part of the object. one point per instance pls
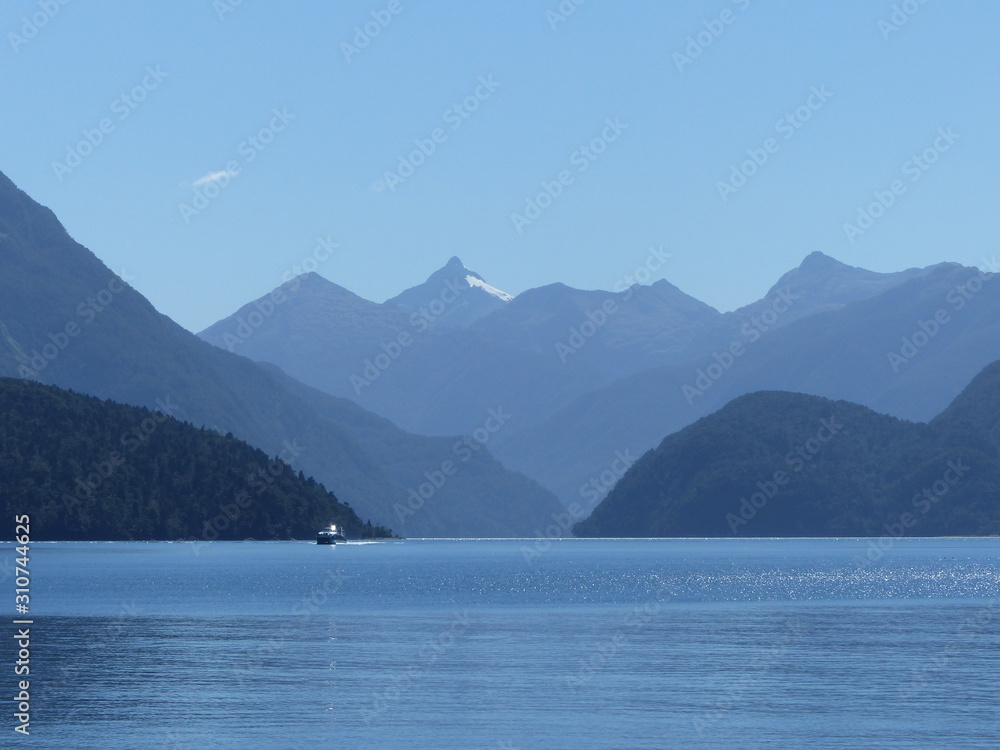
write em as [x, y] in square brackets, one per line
[307, 310]
[782, 464]
[86, 469]
[978, 406]
[863, 352]
[70, 321]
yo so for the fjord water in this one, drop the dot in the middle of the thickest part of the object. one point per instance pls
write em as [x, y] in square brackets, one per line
[505, 644]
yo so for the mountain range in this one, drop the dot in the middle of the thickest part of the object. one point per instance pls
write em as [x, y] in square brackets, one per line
[456, 409]
[591, 375]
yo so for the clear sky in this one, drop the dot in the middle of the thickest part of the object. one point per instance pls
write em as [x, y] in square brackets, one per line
[181, 88]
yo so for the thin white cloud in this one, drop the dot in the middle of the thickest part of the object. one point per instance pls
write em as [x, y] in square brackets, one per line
[213, 177]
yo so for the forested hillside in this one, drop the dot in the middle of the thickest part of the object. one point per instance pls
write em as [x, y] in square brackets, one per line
[86, 469]
[773, 464]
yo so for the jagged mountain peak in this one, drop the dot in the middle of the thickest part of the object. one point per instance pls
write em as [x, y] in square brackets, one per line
[821, 283]
[460, 295]
[456, 269]
[818, 261]
[313, 283]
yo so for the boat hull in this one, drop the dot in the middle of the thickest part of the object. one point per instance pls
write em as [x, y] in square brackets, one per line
[330, 535]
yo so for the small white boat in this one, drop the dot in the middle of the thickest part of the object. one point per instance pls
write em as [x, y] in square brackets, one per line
[330, 535]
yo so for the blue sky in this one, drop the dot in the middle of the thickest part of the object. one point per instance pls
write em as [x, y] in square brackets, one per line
[201, 79]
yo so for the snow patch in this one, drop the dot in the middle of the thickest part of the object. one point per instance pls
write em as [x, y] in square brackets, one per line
[473, 281]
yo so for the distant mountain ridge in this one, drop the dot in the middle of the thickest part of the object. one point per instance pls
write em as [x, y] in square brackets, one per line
[433, 357]
[822, 283]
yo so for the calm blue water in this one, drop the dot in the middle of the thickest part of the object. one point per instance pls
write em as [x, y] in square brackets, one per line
[467, 644]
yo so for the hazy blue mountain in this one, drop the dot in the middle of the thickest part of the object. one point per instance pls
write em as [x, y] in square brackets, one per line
[301, 311]
[452, 297]
[607, 333]
[530, 355]
[853, 352]
[67, 320]
[354, 333]
[546, 347]
[823, 284]
[783, 464]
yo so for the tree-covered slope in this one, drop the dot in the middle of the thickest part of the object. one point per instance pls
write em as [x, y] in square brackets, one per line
[978, 404]
[86, 469]
[784, 464]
